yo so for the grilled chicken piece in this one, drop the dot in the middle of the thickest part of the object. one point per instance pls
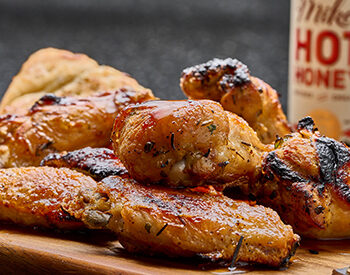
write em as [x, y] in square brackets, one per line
[61, 73]
[229, 82]
[98, 163]
[34, 196]
[184, 223]
[307, 181]
[56, 124]
[186, 143]
[131, 200]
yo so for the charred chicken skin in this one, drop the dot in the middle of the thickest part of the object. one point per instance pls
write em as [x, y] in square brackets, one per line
[98, 163]
[184, 223]
[132, 210]
[186, 143]
[229, 82]
[307, 181]
[305, 178]
[56, 124]
[34, 196]
[179, 143]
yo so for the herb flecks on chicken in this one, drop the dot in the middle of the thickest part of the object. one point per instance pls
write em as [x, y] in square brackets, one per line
[186, 143]
[307, 181]
[34, 196]
[184, 223]
[98, 163]
[229, 82]
[56, 124]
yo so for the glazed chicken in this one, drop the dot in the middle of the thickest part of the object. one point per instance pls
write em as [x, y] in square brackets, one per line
[56, 124]
[186, 143]
[34, 196]
[305, 178]
[229, 82]
[307, 181]
[146, 219]
[178, 143]
[184, 223]
[98, 163]
[132, 210]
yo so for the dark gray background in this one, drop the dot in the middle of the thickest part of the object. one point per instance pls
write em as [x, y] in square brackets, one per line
[153, 40]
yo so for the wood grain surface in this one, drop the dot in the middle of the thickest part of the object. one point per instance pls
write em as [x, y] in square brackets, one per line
[24, 251]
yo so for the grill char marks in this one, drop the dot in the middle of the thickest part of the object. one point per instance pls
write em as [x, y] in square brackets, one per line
[232, 72]
[334, 160]
[307, 180]
[57, 124]
[50, 99]
[99, 163]
[275, 166]
[229, 82]
[306, 123]
[293, 195]
[150, 219]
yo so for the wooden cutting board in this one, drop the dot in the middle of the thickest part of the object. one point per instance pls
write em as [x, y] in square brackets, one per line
[24, 251]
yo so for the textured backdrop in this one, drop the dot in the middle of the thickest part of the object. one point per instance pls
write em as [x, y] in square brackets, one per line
[153, 40]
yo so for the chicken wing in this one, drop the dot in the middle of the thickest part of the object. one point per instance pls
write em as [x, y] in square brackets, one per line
[159, 220]
[61, 73]
[229, 82]
[34, 196]
[186, 143]
[98, 163]
[307, 181]
[56, 124]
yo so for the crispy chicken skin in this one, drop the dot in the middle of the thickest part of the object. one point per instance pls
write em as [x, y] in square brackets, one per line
[33, 196]
[186, 143]
[184, 223]
[307, 181]
[62, 73]
[229, 82]
[98, 163]
[56, 124]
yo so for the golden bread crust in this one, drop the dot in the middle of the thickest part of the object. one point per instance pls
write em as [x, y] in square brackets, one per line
[62, 73]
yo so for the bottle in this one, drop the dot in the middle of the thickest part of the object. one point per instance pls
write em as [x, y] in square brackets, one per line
[319, 65]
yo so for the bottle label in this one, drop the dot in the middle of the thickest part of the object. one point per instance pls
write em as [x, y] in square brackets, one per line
[319, 65]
